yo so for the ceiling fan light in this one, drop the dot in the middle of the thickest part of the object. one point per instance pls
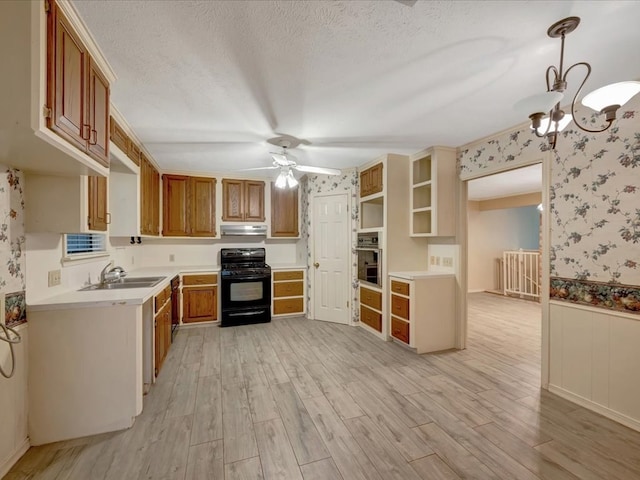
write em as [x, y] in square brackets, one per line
[291, 180]
[540, 102]
[562, 124]
[613, 94]
[281, 181]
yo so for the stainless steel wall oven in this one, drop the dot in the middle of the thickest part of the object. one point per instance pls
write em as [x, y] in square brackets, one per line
[369, 258]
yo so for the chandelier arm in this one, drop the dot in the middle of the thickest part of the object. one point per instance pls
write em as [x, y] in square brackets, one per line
[535, 130]
[573, 102]
[553, 69]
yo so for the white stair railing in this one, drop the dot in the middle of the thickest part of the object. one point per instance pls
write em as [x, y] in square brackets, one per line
[521, 273]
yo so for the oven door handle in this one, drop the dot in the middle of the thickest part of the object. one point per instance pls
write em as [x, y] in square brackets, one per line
[252, 277]
[246, 314]
[368, 249]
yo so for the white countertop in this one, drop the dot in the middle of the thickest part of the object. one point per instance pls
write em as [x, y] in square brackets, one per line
[127, 296]
[421, 274]
[287, 266]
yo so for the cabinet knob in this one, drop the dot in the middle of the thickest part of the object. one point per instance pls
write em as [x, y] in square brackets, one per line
[316, 264]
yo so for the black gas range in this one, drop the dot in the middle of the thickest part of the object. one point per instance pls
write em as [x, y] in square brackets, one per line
[245, 280]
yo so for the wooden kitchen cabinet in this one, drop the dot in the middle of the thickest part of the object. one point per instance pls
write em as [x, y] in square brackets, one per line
[97, 203]
[121, 140]
[162, 329]
[371, 180]
[242, 200]
[188, 205]
[371, 308]
[149, 198]
[423, 312]
[284, 212]
[65, 204]
[288, 292]
[77, 91]
[199, 298]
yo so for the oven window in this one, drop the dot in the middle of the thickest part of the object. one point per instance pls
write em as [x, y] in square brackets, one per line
[246, 291]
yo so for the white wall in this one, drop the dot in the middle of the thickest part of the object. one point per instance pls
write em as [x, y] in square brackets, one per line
[493, 231]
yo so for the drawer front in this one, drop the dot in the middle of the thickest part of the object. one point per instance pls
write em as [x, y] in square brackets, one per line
[400, 307]
[400, 287]
[288, 289]
[207, 279]
[400, 330]
[371, 318]
[295, 275]
[371, 298]
[289, 305]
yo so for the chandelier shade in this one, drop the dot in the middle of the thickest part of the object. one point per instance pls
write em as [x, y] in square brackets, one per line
[614, 94]
[548, 118]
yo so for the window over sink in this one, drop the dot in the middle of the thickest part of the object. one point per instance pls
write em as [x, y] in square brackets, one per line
[78, 246]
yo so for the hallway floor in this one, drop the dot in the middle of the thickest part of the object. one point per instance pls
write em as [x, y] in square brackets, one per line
[299, 399]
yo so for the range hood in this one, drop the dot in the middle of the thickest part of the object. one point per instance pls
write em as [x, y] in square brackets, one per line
[243, 230]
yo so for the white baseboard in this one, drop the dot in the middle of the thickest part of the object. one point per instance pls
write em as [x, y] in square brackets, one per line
[602, 410]
[479, 290]
[6, 465]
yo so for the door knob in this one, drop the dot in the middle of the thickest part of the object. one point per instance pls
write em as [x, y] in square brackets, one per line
[316, 264]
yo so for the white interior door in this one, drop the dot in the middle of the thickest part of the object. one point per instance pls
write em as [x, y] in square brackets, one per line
[331, 247]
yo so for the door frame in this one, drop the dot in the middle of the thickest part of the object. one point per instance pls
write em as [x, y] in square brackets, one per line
[462, 305]
[311, 249]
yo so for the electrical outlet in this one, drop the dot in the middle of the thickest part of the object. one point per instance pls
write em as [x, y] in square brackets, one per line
[54, 278]
[447, 261]
[172, 258]
[432, 260]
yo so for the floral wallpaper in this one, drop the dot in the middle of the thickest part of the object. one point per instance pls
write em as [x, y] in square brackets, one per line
[319, 184]
[594, 204]
[12, 242]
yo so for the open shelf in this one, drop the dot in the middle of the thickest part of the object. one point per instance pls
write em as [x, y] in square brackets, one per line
[422, 222]
[372, 213]
[422, 196]
[422, 170]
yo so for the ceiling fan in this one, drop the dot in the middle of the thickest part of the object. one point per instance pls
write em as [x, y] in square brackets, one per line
[286, 162]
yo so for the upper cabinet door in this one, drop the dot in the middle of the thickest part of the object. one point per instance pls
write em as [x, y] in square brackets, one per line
[232, 200]
[202, 198]
[254, 201]
[284, 212]
[97, 203]
[175, 204]
[98, 115]
[67, 81]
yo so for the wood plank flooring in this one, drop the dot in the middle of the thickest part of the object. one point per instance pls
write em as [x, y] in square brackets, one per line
[306, 400]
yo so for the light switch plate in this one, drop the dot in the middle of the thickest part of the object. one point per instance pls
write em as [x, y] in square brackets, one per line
[54, 277]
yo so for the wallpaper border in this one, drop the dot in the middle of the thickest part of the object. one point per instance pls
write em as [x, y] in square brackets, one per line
[610, 296]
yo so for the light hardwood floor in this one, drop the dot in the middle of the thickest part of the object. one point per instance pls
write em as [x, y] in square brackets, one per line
[299, 399]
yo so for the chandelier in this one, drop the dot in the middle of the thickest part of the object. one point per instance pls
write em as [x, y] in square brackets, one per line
[549, 119]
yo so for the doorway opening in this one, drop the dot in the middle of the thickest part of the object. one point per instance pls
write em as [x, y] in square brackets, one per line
[504, 267]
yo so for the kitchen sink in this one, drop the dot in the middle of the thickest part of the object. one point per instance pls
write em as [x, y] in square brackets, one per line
[127, 282]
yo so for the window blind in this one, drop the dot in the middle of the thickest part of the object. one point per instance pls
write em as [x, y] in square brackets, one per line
[83, 243]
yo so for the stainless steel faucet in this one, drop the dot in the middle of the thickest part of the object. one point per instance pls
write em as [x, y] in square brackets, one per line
[103, 273]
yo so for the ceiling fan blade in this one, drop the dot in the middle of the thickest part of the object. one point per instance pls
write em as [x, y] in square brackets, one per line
[322, 170]
[258, 168]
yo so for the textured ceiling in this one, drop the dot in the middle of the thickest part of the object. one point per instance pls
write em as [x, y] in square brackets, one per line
[205, 83]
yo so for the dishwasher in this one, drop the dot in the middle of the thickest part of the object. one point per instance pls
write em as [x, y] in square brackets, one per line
[175, 305]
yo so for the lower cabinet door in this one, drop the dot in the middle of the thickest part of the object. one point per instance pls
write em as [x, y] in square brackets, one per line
[288, 305]
[200, 304]
[400, 329]
[371, 318]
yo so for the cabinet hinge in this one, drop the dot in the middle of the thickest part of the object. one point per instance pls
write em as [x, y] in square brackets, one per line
[47, 6]
[46, 111]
